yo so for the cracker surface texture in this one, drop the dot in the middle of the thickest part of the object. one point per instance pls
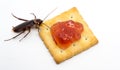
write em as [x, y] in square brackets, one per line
[86, 41]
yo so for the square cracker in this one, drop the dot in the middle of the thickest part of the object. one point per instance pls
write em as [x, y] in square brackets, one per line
[86, 41]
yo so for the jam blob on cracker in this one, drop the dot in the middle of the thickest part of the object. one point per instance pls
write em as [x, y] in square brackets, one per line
[66, 32]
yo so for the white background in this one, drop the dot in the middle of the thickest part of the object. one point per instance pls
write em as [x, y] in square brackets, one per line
[102, 16]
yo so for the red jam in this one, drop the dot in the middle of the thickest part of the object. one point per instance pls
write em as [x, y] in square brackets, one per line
[66, 32]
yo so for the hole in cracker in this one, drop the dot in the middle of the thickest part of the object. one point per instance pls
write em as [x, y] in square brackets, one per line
[71, 17]
[61, 51]
[46, 28]
[73, 45]
[86, 38]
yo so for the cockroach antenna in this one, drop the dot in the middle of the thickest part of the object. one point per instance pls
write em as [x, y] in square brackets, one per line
[48, 15]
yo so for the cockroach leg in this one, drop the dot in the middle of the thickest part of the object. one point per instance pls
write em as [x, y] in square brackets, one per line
[25, 35]
[15, 36]
[33, 15]
[35, 18]
[38, 29]
[19, 18]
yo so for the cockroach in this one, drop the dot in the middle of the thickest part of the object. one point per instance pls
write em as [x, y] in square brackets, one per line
[27, 25]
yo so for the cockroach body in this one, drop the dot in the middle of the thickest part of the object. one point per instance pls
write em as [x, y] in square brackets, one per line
[27, 25]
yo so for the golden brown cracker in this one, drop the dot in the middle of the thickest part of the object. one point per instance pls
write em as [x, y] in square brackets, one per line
[87, 40]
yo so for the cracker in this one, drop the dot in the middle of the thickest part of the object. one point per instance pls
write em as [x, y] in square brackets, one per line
[87, 40]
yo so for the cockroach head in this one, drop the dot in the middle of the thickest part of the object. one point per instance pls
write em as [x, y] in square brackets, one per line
[39, 21]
